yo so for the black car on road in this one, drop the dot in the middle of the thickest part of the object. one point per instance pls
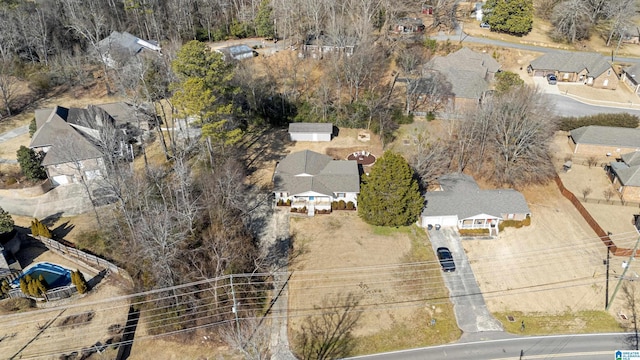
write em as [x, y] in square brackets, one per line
[446, 259]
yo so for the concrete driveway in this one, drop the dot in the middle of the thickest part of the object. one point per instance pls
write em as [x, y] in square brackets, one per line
[67, 200]
[542, 84]
[469, 307]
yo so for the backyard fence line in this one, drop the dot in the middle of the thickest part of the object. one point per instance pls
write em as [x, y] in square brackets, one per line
[613, 248]
[80, 255]
[611, 202]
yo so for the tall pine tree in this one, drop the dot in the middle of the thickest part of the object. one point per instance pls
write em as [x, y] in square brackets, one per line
[389, 195]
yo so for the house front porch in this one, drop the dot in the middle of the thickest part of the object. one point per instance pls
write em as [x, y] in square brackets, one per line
[481, 222]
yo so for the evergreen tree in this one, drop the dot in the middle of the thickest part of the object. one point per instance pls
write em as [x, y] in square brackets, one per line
[509, 16]
[505, 80]
[389, 196]
[264, 23]
[38, 228]
[30, 162]
[78, 280]
[6, 222]
[32, 127]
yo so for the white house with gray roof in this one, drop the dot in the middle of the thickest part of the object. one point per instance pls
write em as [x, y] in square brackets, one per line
[592, 69]
[462, 204]
[312, 180]
[311, 131]
[596, 140]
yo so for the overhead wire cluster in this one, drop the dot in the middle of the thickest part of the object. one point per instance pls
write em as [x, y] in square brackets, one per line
[214, 303]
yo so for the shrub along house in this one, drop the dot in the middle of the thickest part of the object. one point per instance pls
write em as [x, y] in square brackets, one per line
[462, 204]
[309, 181]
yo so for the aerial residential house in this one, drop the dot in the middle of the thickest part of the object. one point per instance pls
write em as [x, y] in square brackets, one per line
[596, 140]
[462, 204]
[591, 69]
[237, 52]
[313, 181]
[409, 26]
[470, 74]
[318, 45]
[75, 142]
[311, 131]
[631, 77]
[121, 46]
[625, 175]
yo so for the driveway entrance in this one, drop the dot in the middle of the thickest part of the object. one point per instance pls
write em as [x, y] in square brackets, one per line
[471, 311]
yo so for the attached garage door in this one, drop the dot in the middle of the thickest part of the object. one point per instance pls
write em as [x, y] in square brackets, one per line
[448, 221]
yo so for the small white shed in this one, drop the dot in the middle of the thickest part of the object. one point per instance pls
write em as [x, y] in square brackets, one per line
[311, 131]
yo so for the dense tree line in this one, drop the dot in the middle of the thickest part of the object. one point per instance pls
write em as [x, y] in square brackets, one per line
[576, 20]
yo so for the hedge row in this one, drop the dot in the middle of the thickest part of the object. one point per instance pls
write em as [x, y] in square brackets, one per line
[473, 232]
[616, 120]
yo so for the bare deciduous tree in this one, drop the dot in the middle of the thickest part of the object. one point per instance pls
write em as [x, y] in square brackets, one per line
[250, 337]
[430, 93]
[629, 291]
[619, 17]
[8, 83]
[431, 159]
[572, 20]
[586, 192]
[327, 333]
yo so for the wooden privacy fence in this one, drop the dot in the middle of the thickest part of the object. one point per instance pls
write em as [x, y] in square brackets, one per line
[615, 250]
[79, 254]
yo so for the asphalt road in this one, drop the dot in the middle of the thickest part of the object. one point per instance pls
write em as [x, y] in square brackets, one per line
[567, 106]
[469, 307]
[567, 347]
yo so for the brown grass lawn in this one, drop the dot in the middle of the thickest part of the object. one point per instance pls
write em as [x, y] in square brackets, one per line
[393, 272]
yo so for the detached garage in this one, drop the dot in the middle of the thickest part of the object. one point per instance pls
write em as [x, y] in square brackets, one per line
[311, 131]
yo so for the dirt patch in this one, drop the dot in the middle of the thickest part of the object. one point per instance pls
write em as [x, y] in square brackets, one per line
[342, 255]
[77, 320]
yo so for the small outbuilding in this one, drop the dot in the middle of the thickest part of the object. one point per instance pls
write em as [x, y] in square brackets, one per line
[311, 131]
[237, 52]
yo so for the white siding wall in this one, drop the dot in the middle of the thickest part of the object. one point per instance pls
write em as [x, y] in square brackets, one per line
[315, 137]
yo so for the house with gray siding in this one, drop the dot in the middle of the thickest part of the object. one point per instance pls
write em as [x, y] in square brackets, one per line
[631, 77]
[312, 180]
[462, 204]
[311, 131]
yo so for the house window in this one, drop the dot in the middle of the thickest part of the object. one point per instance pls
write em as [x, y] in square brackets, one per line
[608, 72]
[479, 221]
[341, 195]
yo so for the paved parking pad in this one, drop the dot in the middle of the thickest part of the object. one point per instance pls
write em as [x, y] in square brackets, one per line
[469, 307]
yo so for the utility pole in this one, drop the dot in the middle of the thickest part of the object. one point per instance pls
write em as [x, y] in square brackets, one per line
[633, 254]
[234, 309]
[606, 294]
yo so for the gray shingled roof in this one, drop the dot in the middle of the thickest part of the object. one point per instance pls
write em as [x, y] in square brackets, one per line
[306, 170]
[320, 128]
[67, 143]
[458, 182]
[572, 62]
[466, 70]
[120, 40]
[466, 204]
[606, 135]
[628, 175]
[634, 72]
[632, 158]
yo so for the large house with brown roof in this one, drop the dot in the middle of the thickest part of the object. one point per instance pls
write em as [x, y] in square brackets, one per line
[596, 140]
[591, 69]
[313, 181]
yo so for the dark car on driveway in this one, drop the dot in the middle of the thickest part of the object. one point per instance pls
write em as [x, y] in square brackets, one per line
[552, 79]
[446, 260]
